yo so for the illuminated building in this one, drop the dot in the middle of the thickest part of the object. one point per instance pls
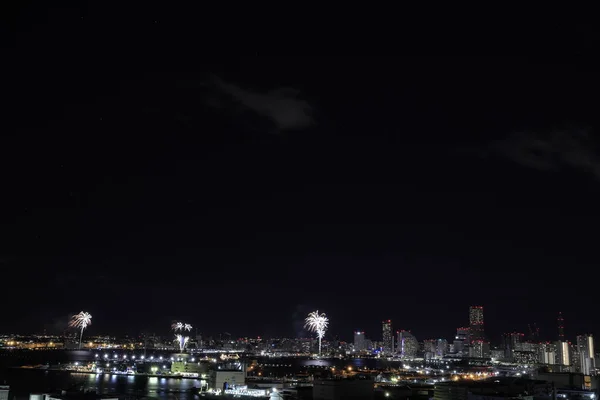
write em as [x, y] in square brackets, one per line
[525, 357]
[184, 365]
[461, 341]
[563, 353]
[476, 323]
[526, 346]
[497, 354]
[463, 334]
[388, 338]
[585, 348]
[428, 348]
[408, 346]
[441, 348]
[360, 341]
[479, 349]
[477, 333]
[547, 353]
[4, 390]
[511, 343]
[227, 376]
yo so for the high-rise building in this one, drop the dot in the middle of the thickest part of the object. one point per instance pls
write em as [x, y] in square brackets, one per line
[428, 348]
[563, 353]
[511, 343]
[441, 348]
[525, 357]
[479, 349]
[547, 353]
[388, 338]
[360, 341]
[561, 327]
[585, 348]
[408, 346]
[479, 346]
[476, 323]
[461, 341]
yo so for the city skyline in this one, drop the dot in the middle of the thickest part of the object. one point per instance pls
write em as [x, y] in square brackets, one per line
[475, 314]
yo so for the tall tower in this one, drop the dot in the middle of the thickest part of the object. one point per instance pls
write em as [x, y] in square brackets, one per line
[476, 323]
[561, 327]
[388, 338]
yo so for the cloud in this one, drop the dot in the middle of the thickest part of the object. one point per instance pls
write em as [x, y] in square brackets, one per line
[282, 106]
[574, 149]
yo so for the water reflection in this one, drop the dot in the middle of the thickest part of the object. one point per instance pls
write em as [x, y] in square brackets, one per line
[23, 382]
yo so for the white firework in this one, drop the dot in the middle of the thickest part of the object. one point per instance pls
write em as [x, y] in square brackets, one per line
[181, 340]
[81, 321]
[317, 323]
[177, 326]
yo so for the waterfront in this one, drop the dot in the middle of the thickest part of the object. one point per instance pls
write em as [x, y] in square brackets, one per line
[25, 381]
[274, 366]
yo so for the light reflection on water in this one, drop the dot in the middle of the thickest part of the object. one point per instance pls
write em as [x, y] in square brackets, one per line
[23, 382]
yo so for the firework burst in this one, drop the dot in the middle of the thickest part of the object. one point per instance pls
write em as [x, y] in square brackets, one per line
[81, 321]
[317, 323]
[180, 339]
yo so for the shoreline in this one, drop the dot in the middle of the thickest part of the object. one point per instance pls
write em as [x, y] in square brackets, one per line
[107, 373]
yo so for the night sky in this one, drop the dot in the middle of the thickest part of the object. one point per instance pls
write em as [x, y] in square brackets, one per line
[238, 194]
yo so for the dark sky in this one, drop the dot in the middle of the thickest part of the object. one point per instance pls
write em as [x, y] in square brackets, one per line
[241, 193]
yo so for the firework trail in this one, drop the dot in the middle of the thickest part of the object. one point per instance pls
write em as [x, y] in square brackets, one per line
[180, 339]
[81, 321]
[177, 326]
[317, 323]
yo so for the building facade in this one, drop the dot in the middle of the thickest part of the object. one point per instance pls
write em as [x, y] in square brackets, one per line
[4, 390]
[360, 341]
[585, 348]
[476, 323]
[407, 345]
[388, 339]
[563, 353]
[511, 342]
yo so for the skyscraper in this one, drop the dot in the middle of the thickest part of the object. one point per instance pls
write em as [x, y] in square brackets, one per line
[429, 348]
[441, 348]
[563, 350]
[476, 323]
[547, 353]
[360, 342]
[585, 347]
[388, 338]
[461, 341]
[511, 342]
[408, 346]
